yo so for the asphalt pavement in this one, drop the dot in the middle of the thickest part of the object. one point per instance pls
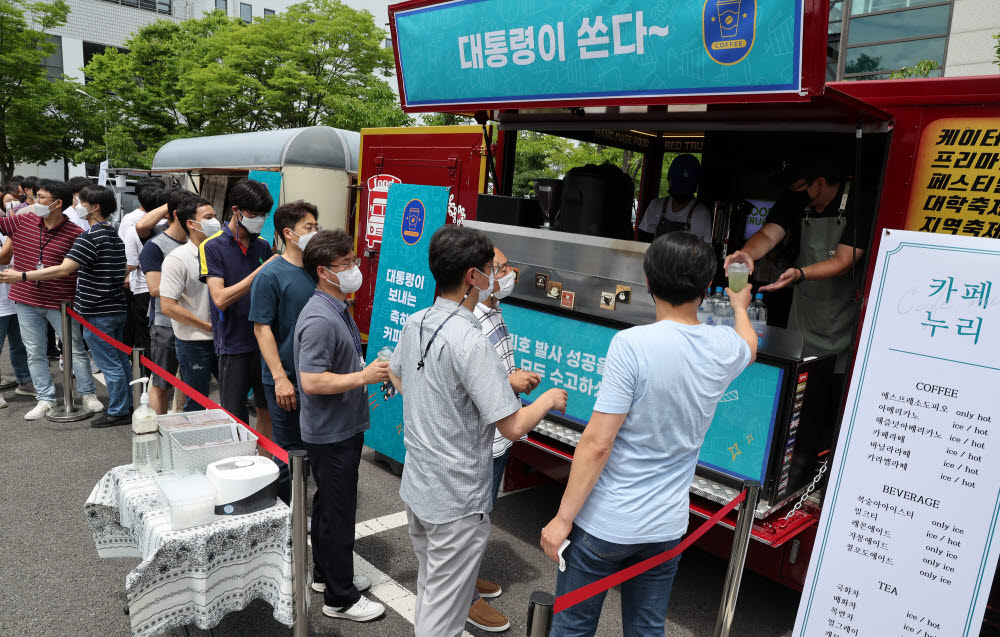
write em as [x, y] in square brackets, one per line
[52, 582]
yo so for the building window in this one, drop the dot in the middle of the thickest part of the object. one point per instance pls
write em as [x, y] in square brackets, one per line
[873, 38]
[157, 6]
[246, 12]
[268, 11]
[53, 64]
[222, 5]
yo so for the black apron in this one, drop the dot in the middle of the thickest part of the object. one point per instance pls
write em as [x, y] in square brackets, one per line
[664, 225]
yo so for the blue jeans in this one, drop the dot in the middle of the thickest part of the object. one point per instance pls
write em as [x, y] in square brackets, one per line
[499, 464]
[286, 433]
[11, 331]
[32, 322]
[113, 363]
[196, 360]
[644, 598]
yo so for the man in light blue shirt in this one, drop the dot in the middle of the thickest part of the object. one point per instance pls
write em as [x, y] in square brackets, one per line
[627, 496]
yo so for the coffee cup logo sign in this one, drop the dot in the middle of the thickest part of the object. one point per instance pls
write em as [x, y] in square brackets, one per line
[729, 28]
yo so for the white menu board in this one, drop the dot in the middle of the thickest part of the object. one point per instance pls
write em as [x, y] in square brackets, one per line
[906, 542]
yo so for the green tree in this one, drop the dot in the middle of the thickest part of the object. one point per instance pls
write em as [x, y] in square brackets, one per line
[864, 64]
[39, 119]
[319, 63]
[923, 68]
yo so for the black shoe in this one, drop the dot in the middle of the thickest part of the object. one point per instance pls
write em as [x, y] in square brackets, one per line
[107, 420]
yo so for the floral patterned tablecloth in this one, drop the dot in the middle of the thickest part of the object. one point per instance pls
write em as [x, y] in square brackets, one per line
[197, 575]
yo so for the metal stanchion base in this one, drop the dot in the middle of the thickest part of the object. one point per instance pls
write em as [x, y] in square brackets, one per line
[60, 414]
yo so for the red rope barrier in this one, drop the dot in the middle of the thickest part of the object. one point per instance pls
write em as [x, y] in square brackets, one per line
[184, 388]
[596, 588]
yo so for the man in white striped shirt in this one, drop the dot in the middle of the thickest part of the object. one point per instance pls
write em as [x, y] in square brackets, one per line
[522, 382]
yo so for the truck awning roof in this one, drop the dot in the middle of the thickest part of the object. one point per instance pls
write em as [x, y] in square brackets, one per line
[833, 111]
[318, 146]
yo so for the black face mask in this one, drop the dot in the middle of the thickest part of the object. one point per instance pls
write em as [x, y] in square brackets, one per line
[800, 198]
[680, 197]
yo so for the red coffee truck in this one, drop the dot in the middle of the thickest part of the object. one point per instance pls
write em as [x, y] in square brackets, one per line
[742, 84]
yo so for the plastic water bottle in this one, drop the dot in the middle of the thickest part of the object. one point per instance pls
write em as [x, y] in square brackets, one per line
[724, 312]
[757, 313]
[705, 310]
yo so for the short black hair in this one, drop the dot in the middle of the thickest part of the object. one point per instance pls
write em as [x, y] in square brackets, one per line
[174, 197]
[679, 266]
[101, 196]
[810, 168]
[31, 183]
[11, 189]
[290, 214]
[325, 248]
[151, 198]
[455, 249]
[58, 189]
[79, 183]
[148, 182]
[188, 208]
[251, 196]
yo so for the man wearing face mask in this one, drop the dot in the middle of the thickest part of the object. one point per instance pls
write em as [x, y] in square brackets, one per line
[42, 238]
[230, 260]
[456, 395]
[334, 403]
[184, 298]
[277, 296]
[490, 315]
[679, 211]
[98, 259]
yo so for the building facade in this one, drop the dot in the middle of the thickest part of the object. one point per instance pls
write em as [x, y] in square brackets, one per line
[869, 39]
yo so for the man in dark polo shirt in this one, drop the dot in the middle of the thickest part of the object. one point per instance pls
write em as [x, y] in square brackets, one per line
[41, 238]
[230, 259]
[334, 417]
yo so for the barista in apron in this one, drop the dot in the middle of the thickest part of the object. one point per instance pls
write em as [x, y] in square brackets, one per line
[816, 209]
[679, 211]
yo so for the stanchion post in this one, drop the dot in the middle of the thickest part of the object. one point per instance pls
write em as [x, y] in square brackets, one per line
[298, 466]
[540, 614]
[136, 373]
[68, 412]
[737, 557]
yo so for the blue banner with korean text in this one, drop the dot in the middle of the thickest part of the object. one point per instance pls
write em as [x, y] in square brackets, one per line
[404, 286]
[469, 52]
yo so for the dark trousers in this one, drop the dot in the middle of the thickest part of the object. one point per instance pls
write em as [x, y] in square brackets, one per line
[238, 374]
[137, 326]
[335, 506]
[286, 434]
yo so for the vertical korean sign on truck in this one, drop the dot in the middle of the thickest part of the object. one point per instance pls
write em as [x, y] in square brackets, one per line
[907, 540]
[404, 285]
[480, 52]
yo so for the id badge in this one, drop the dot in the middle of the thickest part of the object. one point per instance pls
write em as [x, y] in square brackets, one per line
[40, 266]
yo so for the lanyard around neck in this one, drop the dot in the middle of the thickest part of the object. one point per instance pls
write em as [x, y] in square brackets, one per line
[343, 315]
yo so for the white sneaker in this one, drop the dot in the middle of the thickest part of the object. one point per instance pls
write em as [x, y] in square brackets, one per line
[3, 403]
[91, 404]
[361, 582]
[41, 409]
[362, 610]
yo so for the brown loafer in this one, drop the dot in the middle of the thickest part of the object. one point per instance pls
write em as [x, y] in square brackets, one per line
[485, 617]
[487, 589]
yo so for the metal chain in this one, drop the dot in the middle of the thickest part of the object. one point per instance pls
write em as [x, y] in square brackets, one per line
[812, 487]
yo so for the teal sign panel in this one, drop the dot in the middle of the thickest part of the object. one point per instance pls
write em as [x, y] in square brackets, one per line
[271, 179]
[534, 51]
[570, 354]
[404, 286]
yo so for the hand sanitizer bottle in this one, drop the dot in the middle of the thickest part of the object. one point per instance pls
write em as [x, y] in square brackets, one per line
[145, 437]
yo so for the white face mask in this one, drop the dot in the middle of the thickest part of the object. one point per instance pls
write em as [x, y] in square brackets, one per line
[41, 210]
[350, 280]
[209, 226]
[484, 293]
[80, 211]
[253, 225]
[303, 239]
[506, 285]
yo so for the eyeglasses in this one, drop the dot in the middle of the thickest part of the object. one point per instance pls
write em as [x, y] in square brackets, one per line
[354, 263]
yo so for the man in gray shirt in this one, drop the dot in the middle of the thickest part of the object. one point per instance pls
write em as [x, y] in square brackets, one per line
[455, 395]
[333, 418]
